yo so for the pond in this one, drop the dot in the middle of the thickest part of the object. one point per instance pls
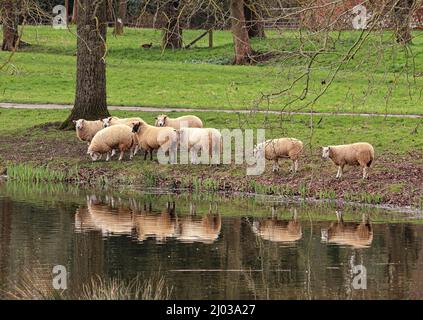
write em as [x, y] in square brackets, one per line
[206, 246]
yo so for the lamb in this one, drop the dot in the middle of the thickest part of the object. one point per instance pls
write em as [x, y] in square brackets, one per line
[115, 137]
[112, 121]
[275, 149]
[360, 153]
[205, 139]
[184, 121]
[86, 129]
[150, 138]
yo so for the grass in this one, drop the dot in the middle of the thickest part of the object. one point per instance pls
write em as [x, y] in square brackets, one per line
[381, 78]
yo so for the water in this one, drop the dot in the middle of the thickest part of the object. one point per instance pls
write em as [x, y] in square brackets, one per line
[205, 246]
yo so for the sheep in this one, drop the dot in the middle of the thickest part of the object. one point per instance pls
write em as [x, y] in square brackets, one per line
[115, 137]
[275, 149]
[86, 129]
[184, 121]
[151, 138]
[112, 121]
[360, 153]
[205, 139]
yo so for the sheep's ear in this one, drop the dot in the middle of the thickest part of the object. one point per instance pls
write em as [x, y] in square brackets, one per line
[74, 121]
[164, 117]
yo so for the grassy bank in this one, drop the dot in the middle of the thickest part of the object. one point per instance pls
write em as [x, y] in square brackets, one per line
[382, 77]
[33, 150]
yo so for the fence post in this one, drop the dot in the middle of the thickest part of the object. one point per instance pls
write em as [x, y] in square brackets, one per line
[210, 38]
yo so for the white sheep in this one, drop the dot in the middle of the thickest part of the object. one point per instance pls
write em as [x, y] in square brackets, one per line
[112, 121]
[189, 121]
[86, 129]
[360, 153]
[107, 140]
[282, 148]
[207, 140]
[150, 138]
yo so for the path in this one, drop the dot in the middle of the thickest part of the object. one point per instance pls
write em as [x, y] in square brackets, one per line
[167, 109]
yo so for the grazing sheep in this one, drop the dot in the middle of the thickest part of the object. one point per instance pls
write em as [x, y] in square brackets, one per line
[86, 129]
[357, 235]
[360, 153]
[151, 138]
[186, 121]
[115, 137]
[204, 139]
[275, 149]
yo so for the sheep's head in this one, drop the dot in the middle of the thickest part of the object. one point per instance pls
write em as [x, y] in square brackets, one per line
[94, 155]
[258, 150]
[79, 124]
[161, 120]
[107, 122]
[325, 152]
[136, 127]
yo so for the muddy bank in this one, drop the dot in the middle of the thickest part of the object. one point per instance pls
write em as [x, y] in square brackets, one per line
[395, 180]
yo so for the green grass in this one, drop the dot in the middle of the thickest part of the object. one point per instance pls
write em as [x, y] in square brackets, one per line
[394, 135]
[380, 78]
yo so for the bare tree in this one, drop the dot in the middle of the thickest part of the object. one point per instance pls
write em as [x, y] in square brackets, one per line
[90, 98]
[403, 11]
[121, 17]
[9, 11]
[172, 37]
[242, 46]
[254, 22]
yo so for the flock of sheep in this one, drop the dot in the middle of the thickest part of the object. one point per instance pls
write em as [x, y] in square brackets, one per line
[131, 134]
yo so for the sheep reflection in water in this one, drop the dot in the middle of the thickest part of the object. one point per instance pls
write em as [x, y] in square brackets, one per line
[108, 216]
[277, 230]
[357, 235]
[112, 217]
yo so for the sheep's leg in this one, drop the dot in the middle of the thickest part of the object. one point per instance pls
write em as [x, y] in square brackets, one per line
[145, 154]
[365, 173]
[296, 165]
[136, 149]
[108, 156]
[121, 155]
[194, 155]
[275, 166]
[131, 153]
[113, 152]
[340, 171]
[151, 154]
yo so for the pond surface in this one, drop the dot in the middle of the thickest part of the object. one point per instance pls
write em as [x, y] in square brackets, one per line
[207, 246]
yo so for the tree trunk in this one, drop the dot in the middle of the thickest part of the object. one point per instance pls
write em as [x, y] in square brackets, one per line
[90, 98]
[10, 19]
[403, 12]
[75, 11]
[242, 46]
[255, 26]
[121, 17]
[172, 37]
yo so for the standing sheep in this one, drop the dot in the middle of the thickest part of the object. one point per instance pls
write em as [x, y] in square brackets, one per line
[360, 153]
[86, 129]
[207, 140]
[184, 121]
[150, 138]
[281, 148]
[118, 137]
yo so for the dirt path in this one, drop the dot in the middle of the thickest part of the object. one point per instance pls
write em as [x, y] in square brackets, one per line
[167, 109]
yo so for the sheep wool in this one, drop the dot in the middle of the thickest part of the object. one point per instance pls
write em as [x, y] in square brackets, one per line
[112, 121]
[282, 148]
[118, 137]
[150, 138]
[188, 121]
[86, 129]
[356, 154]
